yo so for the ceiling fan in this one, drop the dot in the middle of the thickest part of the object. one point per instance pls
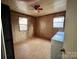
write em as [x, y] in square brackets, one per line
[34, 5]
[37, 7]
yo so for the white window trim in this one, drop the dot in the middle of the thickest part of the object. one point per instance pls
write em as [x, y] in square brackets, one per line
[21, 23]
[58, 22]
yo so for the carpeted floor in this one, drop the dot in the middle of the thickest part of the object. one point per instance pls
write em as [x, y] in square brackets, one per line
[33, 49]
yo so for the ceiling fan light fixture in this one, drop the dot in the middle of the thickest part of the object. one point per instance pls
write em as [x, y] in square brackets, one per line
[37, 11]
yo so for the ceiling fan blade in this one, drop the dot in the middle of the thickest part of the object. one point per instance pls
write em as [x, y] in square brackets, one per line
[40, 8]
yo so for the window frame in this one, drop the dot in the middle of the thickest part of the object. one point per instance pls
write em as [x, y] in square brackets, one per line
[58, 22]
[22, 24]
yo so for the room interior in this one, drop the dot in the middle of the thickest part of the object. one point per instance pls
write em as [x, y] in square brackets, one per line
[40, 28]
[34, 41]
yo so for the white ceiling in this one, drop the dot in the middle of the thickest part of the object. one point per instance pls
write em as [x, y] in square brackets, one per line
[49, 6]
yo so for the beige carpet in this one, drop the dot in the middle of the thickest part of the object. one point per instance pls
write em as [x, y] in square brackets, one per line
[33, 49]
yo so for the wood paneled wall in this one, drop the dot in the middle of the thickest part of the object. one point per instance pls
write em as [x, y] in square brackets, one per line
[37, 26]
[44, 25]
[19, 36]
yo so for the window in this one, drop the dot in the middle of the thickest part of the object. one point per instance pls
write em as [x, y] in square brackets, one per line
[58, 22]
[23, 24]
